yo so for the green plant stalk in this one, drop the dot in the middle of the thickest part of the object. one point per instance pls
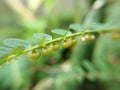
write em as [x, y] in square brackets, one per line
[55, 40]
[61, 38]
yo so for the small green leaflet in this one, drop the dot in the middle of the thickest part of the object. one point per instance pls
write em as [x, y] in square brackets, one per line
[13, 42]
[18, 50]
[41, 42]
[42, 35]
[76, 27]
[99, 26]
[61, 32]
[5, 49]
[2, 53]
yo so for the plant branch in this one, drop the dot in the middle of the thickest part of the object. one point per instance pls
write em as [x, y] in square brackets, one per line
[54, 40]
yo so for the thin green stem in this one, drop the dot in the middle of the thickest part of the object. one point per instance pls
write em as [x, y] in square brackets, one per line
[61, 38]
[55, 40]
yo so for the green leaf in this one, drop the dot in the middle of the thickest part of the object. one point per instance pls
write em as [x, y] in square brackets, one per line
[18, 50]
[41, 41]
[76, 27]
[99, 26]
[2, 53]
[61, 32]
[5, 49]
[13, 42]
[42, 35]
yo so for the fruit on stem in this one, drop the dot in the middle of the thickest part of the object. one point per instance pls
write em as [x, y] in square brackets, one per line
[47, 51]
[34, 54]
[66, 43]
[54, 46]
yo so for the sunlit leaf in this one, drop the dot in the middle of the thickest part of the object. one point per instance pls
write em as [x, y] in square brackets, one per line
[13, 42]
[76, 27]
[61, 32]
[42, 35]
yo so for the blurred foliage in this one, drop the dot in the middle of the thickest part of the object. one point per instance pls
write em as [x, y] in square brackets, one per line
[86, 66]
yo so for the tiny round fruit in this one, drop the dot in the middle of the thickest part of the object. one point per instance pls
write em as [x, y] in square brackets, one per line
[92, 37]
[82, 38]
[34, 55]
[54, 46]
[73, 41]
[89, 37]
[46, 51]
[66, 43]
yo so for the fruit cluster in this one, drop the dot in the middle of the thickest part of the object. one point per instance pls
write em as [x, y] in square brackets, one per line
[16, 47]
[54, 46]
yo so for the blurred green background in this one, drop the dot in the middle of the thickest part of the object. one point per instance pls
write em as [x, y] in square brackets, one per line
[91, 65]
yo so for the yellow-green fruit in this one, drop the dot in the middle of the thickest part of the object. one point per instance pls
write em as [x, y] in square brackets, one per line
[54, 46]
[34, 55]
[89, 37]
[47, 51]
[82, 38]
[73, 41]
[66, 43]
